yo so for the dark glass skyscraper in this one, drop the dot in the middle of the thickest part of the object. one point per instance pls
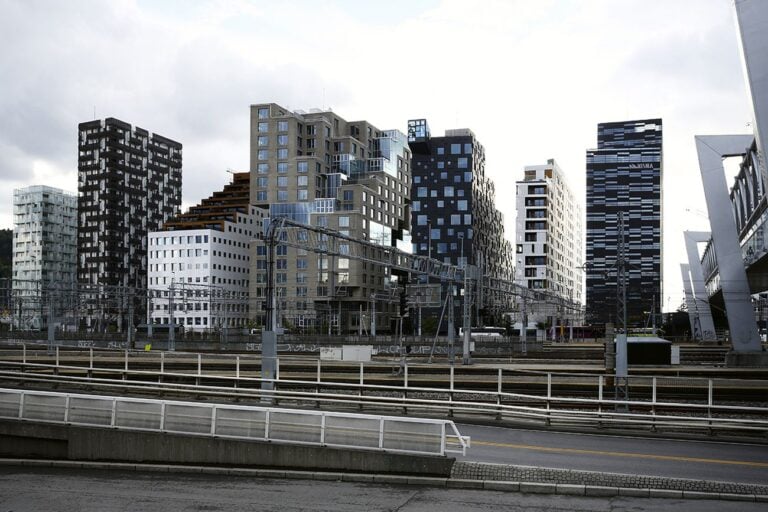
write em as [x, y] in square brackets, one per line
[453, 210]
[624, 174]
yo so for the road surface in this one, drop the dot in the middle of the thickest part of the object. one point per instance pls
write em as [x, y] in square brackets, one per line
[30, 489]
[700, 460]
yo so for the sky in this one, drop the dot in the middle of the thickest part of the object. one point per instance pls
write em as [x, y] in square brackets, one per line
[531, 78]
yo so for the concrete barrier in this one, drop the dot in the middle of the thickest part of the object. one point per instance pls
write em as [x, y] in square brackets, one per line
[39, 440]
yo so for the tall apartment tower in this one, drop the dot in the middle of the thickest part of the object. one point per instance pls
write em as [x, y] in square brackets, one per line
[129, 183]
[550, 237]
[454, 214]
[202, 257]
[44, 249]
[624, 174]
[317, 168]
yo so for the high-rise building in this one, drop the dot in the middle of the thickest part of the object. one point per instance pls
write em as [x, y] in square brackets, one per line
[129, 183]
[624, 174]
[202, 258]
[44, 249]
[349, 176]
[454, 215]
[550, 238]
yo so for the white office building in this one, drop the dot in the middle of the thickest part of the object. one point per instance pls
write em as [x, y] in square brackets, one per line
[549, 240]
[44, 250]
[199, 266]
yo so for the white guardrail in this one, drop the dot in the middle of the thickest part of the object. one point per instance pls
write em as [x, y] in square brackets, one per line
[421, 436]
[651, 413]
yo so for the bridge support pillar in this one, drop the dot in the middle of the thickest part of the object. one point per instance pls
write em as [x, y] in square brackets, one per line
[742, 324]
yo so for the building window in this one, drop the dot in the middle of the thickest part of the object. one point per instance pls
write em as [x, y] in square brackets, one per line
[302, 195]
[455, 149]
[282, 153]
[262, 169]
[467, 149]
[440, 150]
[282, 181]
[282, 167]
[344, 222]
[261, 195]
[348, 195]
[421, 220]
[448, 191]
[263, 140]
[461, 204]
[263, 127]
[456, 220]
[463, 161]
[263, 113]
[302, 167]
[282, 126]
[282, 195]
[301, 181]
[421, 192]
[282, 140]
[262, 154]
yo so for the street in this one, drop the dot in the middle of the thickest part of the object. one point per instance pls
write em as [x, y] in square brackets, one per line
[699, 460]
[27, 489]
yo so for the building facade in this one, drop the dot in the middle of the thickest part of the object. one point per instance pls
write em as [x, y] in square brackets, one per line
[454, 215]
[44, 250]
[624, 174]
[348, 176]
[199, 263]
[549, 240]
[129, 183]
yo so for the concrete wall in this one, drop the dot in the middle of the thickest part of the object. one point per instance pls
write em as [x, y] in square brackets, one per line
[35, 440]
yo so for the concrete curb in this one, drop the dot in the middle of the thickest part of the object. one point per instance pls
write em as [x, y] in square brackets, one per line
[451, 483]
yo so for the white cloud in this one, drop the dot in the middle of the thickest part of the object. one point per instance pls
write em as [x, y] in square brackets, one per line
[531, 79]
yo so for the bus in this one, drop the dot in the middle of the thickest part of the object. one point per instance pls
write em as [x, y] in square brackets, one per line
[484, 332]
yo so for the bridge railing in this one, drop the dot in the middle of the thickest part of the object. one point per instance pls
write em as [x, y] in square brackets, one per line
[421, 436]
[674, 403]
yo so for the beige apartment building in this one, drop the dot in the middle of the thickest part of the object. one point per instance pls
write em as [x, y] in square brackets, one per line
[349, 176]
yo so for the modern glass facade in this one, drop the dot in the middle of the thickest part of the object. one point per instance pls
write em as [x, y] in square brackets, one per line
[624, 174]
[317, 168]
[454, 215]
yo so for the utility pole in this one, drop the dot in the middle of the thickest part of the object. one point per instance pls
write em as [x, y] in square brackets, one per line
[524, 326]
[467, 320]
[51, 327]
[172, 321]
[621, 385]
[451, 327]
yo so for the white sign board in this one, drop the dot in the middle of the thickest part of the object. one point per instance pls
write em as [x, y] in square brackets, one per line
[675, 354]
[357, 353]
[330, 353]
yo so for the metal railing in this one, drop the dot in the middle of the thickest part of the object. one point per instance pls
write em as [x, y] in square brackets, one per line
[332, 429]
[651, 408]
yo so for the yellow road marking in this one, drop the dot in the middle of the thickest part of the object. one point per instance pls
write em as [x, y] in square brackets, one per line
[622, 454]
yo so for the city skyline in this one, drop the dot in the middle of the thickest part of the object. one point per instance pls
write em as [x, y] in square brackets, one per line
[192, 72]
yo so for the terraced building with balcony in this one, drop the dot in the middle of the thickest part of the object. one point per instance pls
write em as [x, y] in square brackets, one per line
[129, 183]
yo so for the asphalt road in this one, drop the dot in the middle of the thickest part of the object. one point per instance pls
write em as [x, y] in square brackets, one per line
[701, 460]
[27, 489]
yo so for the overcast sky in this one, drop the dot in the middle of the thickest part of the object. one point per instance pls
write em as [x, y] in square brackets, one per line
[531, 78]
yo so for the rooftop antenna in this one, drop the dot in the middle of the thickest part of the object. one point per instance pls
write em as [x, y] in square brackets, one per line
[230, 171]
[94, 111]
